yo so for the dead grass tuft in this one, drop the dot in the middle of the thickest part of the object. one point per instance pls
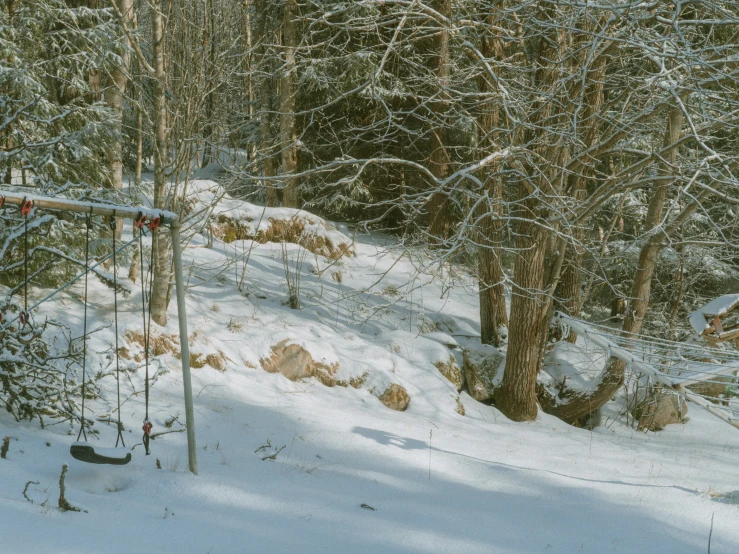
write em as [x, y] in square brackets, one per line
[281, 230]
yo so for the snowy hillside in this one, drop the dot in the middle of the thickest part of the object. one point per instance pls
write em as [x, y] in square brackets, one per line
[321, 464]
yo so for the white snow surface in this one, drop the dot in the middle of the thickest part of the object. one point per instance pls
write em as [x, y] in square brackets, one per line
[716, 307]
[430, 480]
[581, 364]
[255, 219]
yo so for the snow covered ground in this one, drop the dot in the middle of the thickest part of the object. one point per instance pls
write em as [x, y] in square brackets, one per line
[353, 476]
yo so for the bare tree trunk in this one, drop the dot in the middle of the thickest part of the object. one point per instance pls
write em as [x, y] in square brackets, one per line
[680, 282]
[517, 395]
[8, 174]
[209, 44]
[139, 137]
[265, 66]
[568, 293]
[490, 233]
[161, 240]
[579, 407]
[114, 98]
[529, 306]
[439, 163]
[288, 97]
[490, 276]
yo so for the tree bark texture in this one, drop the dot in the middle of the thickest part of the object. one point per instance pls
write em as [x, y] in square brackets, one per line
[162, 264]
[288, 97]
[517, 395]
[490, 232]
[569, 289]
[527, 328]
[439, 163]
[114, 99]
[579, 407]
[266, 90]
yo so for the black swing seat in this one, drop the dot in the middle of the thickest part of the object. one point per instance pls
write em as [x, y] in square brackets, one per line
[84, 452]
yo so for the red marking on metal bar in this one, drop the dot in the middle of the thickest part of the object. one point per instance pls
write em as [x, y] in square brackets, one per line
[140, 221]
[26, 207]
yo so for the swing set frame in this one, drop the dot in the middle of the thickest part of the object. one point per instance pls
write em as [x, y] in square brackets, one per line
[167, 219]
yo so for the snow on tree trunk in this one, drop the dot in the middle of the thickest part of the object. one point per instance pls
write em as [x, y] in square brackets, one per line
[162, 264]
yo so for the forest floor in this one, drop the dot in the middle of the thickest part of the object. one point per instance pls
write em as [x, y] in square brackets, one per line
[353, 476]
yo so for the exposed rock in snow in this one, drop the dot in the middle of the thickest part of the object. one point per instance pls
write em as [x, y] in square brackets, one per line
[450, 370]
[395, 397]
[295, 362]
[483, 370]
[660, 410]
[232, 220]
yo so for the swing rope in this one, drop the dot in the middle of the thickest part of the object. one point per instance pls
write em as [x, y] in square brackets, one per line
[88, 225]
[25, 316]
[117, 350]
[147, 427]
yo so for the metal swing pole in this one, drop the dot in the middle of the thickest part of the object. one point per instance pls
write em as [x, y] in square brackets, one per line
[174, 228]
[170, 219]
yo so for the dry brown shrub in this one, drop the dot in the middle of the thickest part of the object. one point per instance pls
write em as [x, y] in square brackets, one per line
[280, 230]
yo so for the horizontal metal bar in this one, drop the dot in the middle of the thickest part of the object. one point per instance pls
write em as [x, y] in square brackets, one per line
[94, 208]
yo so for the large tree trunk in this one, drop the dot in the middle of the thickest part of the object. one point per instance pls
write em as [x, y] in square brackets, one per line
[266, 86]
[139, 132]
[439, 163]
[288, 97]
[578, 407]
[162, 263]
[490, 233]
[516, 397]
[490, 276]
